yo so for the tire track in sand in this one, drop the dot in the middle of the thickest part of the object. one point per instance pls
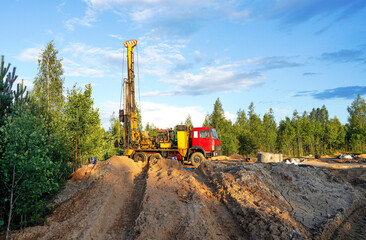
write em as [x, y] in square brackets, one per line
[353, 227]
[226, 219]
[123, 228]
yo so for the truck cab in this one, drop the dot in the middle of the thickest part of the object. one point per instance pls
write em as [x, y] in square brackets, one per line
[205, 141]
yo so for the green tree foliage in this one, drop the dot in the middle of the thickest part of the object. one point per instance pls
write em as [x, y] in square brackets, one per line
[357, 124]
[308, 133]
[150, 128]
[243, 134]
[84, 127]
[206, 122]
[256, 129]
[285, 136]
[27, 171]
[253, 134]
[48, 97]
[8, 98]
[113, 121]
[39, 136]
[224, 128]
[269, 132]
[48, 85]
[188, 121]
[334, 135]
[6, 84]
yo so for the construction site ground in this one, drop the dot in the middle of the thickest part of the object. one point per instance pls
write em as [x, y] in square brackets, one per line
[226, 198]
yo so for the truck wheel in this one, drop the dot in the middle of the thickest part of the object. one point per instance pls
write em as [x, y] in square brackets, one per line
[154, 158]
[197, 158]
[140, 156]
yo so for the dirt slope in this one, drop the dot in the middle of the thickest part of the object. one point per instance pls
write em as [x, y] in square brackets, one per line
[121, 199]
[95, 210]
[178, 206]
[285, 201]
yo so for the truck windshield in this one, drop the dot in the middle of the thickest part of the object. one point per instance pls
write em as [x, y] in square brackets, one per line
[214, 134]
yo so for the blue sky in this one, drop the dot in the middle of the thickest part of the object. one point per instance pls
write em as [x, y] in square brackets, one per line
[284, 54]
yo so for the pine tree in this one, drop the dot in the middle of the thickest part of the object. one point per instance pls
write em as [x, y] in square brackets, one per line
[357, 124]
[207, 121]
[188, 121]
[218, 115]
[256, 130]
[243, 133]
[332, 132]
[270, 132]
[286, 137]
[6, 83]
[224, 128]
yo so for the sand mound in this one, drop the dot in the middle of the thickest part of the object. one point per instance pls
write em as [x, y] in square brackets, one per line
[103, 195]
[169, 164]
[236, 157]
[121, 199]
[283, 201]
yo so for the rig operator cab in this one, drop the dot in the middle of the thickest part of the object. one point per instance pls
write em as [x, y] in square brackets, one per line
[186, 144]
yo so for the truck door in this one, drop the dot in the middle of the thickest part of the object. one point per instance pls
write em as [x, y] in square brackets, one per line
[205, 140]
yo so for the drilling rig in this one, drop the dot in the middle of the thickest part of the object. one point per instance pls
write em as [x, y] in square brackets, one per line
[186, 144]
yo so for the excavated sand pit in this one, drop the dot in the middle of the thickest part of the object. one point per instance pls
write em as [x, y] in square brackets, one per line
[121, 199]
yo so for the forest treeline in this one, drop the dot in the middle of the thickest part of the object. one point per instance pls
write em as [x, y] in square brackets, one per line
[44, 135]
[309, 133]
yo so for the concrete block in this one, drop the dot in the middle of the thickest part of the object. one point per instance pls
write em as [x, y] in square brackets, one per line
[266, 157]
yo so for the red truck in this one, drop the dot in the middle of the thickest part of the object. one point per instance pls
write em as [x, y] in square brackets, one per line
[195, 145]
[186, 144]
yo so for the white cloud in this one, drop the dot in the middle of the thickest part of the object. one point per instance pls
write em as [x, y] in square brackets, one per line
[94, 55]
[240, 14]
[26, 81]
[90, 17]
[209, 79]
[170, 15]
[161, 115]
[76, 71]
[282, 111]
[159, 57]
[157, 93]
[166, 116]
[89, 61]
[144, 14]
[30, 54]
[161, 54]
[220, 75]
[198, 56]
[229, 116]
[116, 37]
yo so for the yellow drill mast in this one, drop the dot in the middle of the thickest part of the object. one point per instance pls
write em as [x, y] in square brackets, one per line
[132, 132]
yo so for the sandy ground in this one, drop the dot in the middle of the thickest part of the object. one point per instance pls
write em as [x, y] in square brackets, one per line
[221, 199]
